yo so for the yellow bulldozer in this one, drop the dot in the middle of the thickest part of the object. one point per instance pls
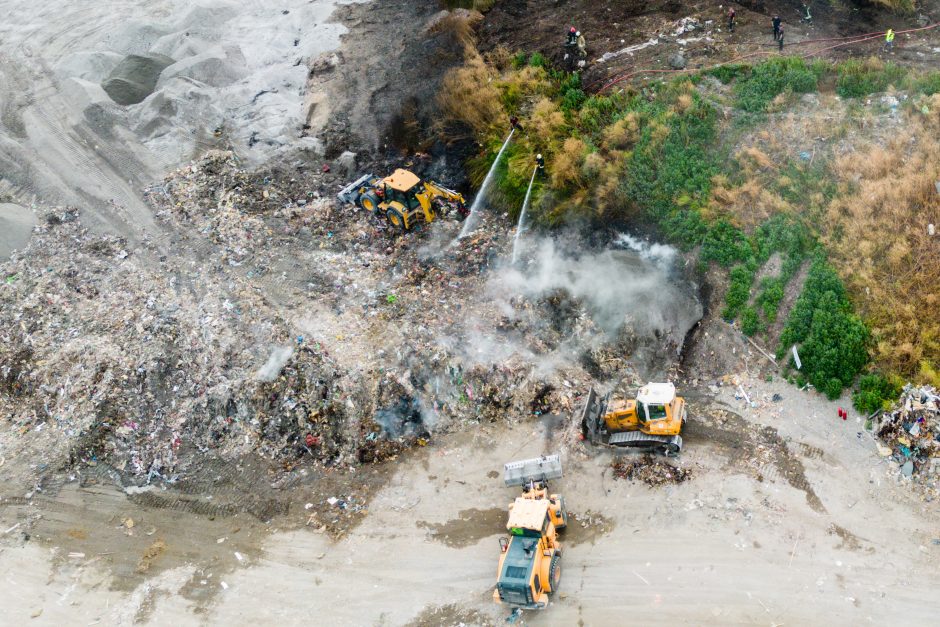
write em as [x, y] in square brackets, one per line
[530, 558]
[653, 420]
[403, 199]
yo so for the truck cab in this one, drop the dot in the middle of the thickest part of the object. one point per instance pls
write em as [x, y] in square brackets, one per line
[657, 410]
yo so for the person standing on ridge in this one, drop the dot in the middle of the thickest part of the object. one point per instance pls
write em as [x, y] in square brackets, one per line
[776, 23]
[571, 45]
[889, 40]
[572, 37]
[731, 16]
[540, 163]
[780, 38]
[582, 45]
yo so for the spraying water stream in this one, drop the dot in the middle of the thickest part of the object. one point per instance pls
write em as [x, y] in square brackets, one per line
[470, 222]
[525, 206]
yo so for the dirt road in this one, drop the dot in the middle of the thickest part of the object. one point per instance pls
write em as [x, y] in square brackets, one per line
[736, 544]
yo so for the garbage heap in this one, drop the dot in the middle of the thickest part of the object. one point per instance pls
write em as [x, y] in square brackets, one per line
[111, 354]
[910, 434]
[651, 470]
[152, 357]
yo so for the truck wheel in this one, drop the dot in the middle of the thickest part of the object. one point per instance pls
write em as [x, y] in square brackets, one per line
[395, 220]
[554, 572]
[369, 201]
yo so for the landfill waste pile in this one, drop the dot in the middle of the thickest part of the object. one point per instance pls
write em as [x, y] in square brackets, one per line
[272, 321]
[651, 470]
[110, 358]
[909, 434]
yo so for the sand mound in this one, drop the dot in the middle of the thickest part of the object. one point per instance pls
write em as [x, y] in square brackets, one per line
[90, 66]
[217, 67]
[16, 226]
[135, 77]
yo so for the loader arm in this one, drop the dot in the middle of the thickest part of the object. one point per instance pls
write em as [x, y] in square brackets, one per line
[439, 191]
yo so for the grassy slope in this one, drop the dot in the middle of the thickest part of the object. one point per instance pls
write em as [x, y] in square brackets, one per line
[671, 154]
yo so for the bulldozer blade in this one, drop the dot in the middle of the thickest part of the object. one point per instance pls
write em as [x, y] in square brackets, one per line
[592, 416]
[543, 468]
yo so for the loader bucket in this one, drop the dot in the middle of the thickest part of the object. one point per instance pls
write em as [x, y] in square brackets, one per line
[543, 468]
[350, 193]
[592, 416]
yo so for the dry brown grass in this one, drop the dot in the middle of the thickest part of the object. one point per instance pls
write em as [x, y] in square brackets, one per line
[469, 95]
[878, 230]
[461, 25]
[623, 133]
[747, 205]
[565, 168]
[547, 121]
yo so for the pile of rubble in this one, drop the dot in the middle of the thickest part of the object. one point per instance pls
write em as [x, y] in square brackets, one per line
[910, 433]
[653, 471]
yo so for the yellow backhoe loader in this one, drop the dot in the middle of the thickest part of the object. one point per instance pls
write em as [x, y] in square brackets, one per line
[653, 420]
[403, 199]
[530, 558]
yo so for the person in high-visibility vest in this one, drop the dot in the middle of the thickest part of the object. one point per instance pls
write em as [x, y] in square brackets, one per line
[889, 40]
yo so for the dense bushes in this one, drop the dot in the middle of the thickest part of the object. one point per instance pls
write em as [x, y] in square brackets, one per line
[860, 78]
[874, 392]
[768, 80]
[928, 84]
[832, 340]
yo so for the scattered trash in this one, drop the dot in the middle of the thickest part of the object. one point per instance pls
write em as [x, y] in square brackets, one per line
[653, 471]
[910, 435]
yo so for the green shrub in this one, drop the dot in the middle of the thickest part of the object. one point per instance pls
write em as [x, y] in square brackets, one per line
[750, 322]
[727, 73]
[832, 340]
[537, 60]
[874, 392]
[860, 78]
[670, 174]
[783, 234]
[739, 291]
[928, 84]
[726, 244]
[770, 296]
[768, 80]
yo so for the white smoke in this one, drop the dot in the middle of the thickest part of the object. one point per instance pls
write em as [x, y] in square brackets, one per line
[275, 363]
[616, 286]
[602, 297]
[660, 254]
